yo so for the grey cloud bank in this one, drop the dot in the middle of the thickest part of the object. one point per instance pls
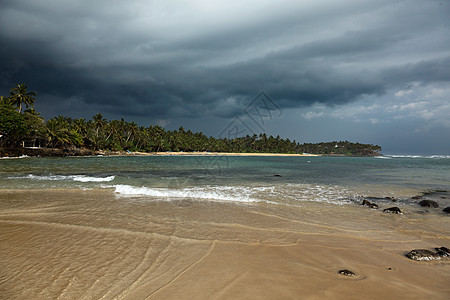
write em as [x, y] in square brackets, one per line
[357, 70]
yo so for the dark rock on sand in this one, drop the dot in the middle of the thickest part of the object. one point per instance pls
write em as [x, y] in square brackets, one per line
[443, 251]
[346, 272]
[369, 204]
[277, 175]
[447, 210]
[422, 254]
[393, 210]
[428, 203]
[391, 198]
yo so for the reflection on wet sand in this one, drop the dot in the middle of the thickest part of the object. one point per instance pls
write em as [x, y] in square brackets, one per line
[76, 244]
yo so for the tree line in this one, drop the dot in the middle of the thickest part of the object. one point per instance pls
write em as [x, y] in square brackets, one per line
[21, 127]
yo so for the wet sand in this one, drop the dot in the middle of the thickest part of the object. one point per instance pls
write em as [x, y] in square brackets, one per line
[72, 244]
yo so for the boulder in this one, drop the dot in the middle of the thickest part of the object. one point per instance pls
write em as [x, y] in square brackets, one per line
[277, 175]
[447, 210]
[393, 210]
[422, 254]
[428, 203]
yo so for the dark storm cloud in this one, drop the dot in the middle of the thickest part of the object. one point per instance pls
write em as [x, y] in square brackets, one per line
[170, 59]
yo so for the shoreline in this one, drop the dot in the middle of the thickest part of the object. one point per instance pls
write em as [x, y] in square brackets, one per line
[53, 152]
[215, 154]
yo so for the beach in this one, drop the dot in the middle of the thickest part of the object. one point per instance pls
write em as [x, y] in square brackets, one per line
[150, 235]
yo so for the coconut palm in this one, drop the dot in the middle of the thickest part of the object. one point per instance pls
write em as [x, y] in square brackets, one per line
[19, 96]
[99, 122]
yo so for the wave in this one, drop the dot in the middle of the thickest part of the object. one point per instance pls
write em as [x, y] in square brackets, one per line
[415, 156]
[234, 194]
[80, 178]
[14, 157]
[290, 194]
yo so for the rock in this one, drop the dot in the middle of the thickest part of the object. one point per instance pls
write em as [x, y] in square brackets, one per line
[393, 210]
[369, 204]
[422, 254]
[447, 210]
[346, 272]
[277, 175]
[416, 197]
[428, 203]
[391, 198]
[443, 251]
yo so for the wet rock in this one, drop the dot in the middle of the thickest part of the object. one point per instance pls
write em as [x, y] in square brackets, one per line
[369, 204]
[416, 197]
[422, 254]
[391, 198]
[393, 210]
[277, 175]
[428, 203]
[346, 272]
[443, 251]
[447, 210]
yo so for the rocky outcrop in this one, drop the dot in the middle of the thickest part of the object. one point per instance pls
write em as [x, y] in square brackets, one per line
[428, 203]
[393, 210]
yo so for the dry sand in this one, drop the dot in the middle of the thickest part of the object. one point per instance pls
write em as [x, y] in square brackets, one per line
[70, 244]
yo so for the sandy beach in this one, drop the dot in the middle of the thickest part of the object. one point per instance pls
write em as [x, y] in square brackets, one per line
[72, 244]
[208, 154]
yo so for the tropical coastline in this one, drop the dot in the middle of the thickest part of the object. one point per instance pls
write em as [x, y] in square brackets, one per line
[208, 226]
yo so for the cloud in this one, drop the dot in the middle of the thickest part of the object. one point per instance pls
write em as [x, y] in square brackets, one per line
[360, 61]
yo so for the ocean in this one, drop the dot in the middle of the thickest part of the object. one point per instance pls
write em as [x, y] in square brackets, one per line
[271, 180]
[222, 227]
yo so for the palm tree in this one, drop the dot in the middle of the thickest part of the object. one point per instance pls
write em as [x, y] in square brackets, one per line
[99, 122]
[20, 96]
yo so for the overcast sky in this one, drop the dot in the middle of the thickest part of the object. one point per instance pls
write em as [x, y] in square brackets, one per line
[368, 71]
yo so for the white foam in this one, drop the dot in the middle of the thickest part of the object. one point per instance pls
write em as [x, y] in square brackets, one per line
[14, 157]
[234, 194]
[83, 178]
[80, 178]
[418, 156]
[288, 194]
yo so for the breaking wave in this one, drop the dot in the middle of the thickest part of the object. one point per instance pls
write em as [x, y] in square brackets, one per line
[234, 194]
[414, 156]
[80, 178]
[286, 195]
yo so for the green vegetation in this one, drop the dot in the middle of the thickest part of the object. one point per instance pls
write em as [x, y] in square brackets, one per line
[27, 129]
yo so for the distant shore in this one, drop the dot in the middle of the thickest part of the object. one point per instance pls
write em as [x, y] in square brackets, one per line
[213, 154]
[49, 152]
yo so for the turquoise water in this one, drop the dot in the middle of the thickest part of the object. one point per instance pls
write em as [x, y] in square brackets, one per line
[339, 180]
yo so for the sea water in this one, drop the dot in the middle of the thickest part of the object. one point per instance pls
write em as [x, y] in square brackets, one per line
[272, 180]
